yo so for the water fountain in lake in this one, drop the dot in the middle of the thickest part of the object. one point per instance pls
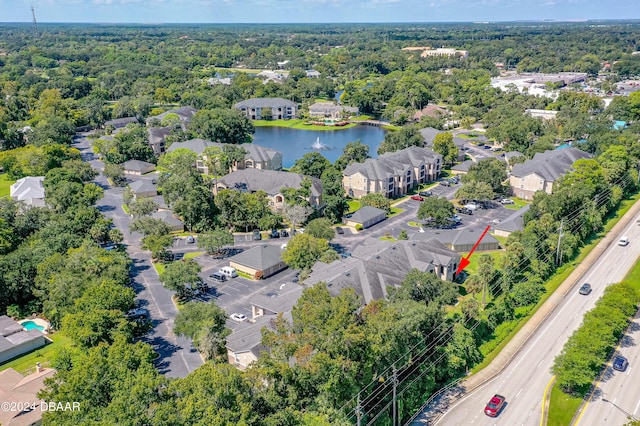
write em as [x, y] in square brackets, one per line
[319, 146]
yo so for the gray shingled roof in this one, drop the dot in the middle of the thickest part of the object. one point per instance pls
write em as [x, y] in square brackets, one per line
[550, 165]
[376, 265]
[455, 237]
[121, 121]
[157, 134]
[142, 185]
[515, 222]
[511, 154]
[9, 326]
[248, 338]
[254, 152]
[260, 257]
[279, 301]
[195, 145]
[392, 164]
[429, 134]
[269, 181]
[365, 214]
[138, 166]
[168, 217]
[185, 113]
[265, 103]
[464, 166]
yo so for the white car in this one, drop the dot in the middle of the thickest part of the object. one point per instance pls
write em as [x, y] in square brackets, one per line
[238, 317]
[623, 241]
[471, 206]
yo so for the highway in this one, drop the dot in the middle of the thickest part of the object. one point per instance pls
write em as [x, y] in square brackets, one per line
[524, 379]
[617, 394]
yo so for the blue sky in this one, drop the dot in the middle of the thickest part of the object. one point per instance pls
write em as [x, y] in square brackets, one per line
[234, 11]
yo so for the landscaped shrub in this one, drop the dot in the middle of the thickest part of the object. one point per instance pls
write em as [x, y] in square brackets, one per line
[359, 227]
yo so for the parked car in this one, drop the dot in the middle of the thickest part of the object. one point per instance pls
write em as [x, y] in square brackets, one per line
[345, 255]
[464, 210]
[425, 193]
[417, 198]
[274, 234]
[507, 201]
[620, 363]
[238, 317]
[256, 235]
[486, 147]
[623, 241]
[138, 313]
[284, 233]
[228, 271]
[495, 404]
[339, 230]
[445, 183]
[218, 277]
[585, 290]
[471, 206]
[190, 239]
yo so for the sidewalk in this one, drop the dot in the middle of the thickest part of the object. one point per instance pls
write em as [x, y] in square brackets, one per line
[526, 332]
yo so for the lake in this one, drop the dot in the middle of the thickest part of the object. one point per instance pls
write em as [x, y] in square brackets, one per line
[294, 143]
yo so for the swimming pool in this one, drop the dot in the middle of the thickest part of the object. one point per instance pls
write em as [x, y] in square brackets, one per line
[30, 325]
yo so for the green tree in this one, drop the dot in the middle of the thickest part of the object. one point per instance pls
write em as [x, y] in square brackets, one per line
[157, 244]
[90, 327]
[311, 164]
[443, 145]
[142, 207]
[303, 251]
[335, 208]
[115, 172]
[204, 323]
[490, 171]
[150, 226]
[376, 200]
[400, 139]
[474, 191]
[296, 214]
[437, 210]
[181, 277]
[320, 228]
[222, 126]
[215, 240]
[353, 152]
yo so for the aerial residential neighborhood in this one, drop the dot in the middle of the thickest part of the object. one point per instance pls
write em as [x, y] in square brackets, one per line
[319, 223]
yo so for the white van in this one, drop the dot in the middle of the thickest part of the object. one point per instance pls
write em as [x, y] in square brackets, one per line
[228, 271]
[623, 241]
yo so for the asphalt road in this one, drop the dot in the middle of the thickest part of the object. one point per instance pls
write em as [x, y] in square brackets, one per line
[617, 395]
[525, 378]
[177, 356]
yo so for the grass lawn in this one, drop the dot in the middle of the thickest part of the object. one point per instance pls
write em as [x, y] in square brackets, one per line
[466, 135]
[159, 267]
[558, 278]
[44, 355]
[394, 212]
[5, 183]
[473, 260]
[562, 408]
[518, 204]
[193, 254]
[417, 224]
[392, 127]
[353, 205]
[125, 208]
[388, 239]
[298, 124]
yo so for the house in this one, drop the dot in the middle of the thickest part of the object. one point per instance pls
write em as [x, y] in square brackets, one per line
[312, 73]
[272, 182]
[29, 190]
[329, 109]
[512, 154]
[273, 76]
[376, 265]
[15, 340]
[184, 114]
[157, 136]
[244, 345]
[513, 223]
[542, 113]
[170, 219]
[444, 51]
[214, 81]
[276, 302]
[433, 111]
[137, 167]
[540, 172]
[257, 157]
[280, 109]
[119, 123]
[259, 262]
[18, 390]
[393, 173]
[460, 240]
[462, 168]
[143, 189]
[366, 217]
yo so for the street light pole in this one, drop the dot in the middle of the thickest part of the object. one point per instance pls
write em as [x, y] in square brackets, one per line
[626, 413]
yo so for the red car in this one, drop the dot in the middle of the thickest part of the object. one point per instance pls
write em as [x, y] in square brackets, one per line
[494, 405]
[417, 198]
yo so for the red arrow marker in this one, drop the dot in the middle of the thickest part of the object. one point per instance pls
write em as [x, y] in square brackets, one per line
[464, 262]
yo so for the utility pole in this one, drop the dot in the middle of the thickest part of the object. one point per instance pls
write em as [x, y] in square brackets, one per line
[394, 378]
[34, 24]
[358, 412]
[560, 235]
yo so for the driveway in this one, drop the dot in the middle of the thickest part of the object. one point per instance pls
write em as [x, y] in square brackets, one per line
[177, 357]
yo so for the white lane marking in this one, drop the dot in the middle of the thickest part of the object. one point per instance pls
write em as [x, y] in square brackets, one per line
[519, 392]
[614, 400]
[628, 371]
[634, 411]
[540, 363]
